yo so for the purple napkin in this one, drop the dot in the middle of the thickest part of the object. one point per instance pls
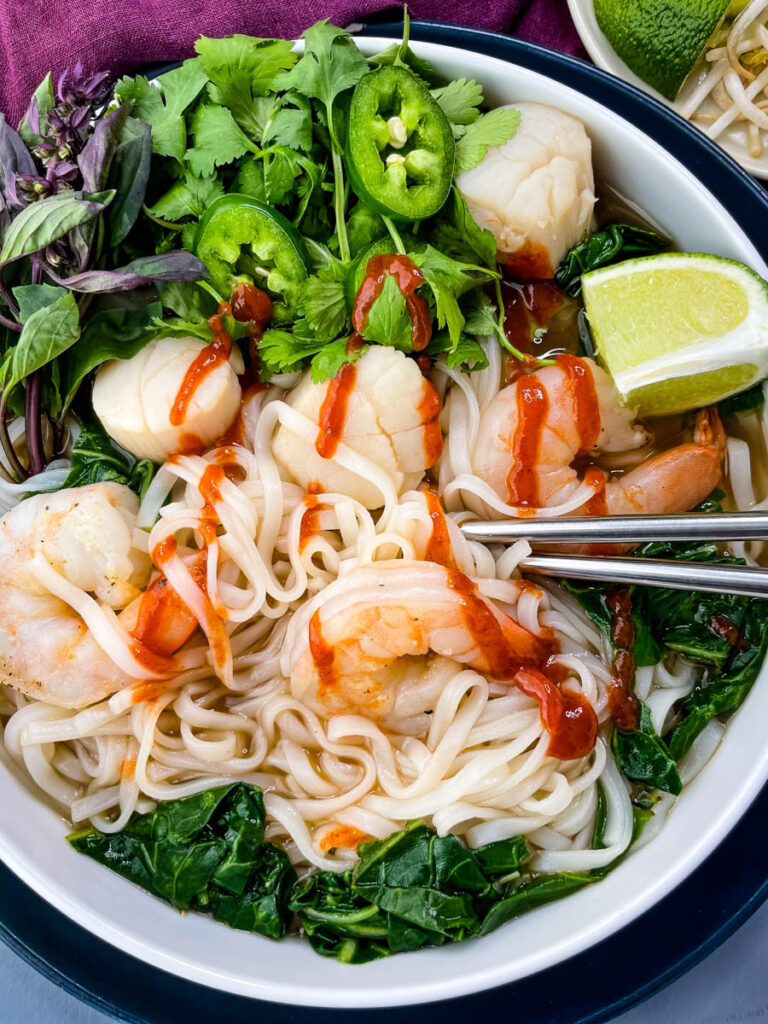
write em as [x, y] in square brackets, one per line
[122, 35]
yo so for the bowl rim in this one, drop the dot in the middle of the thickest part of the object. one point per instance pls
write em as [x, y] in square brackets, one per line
[743, 198]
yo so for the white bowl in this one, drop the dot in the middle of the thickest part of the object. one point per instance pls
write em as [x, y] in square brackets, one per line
[32, 840]
[733, 139]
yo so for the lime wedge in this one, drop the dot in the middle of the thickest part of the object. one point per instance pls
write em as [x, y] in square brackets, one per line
[678, 331]
[660, 40]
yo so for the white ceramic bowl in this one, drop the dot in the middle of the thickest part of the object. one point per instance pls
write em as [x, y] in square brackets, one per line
[733, 140]
[32, 840]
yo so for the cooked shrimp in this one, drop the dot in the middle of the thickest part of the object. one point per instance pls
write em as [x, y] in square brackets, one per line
[535, 192]
[380, 407]
[534, 429]
[356, 650]
[82, 537]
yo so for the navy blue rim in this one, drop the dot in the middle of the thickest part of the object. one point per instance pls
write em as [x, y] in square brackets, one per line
[590, 988]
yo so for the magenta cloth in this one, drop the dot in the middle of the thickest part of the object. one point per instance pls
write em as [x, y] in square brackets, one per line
[122, 35]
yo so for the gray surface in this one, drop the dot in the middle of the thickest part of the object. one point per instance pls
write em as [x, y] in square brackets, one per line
[729, 987]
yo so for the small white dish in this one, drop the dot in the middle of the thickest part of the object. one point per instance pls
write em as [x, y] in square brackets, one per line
[733, 140]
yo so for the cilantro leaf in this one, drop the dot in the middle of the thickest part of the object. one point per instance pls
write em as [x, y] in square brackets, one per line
[330, 359]
[389, 321]
[162, 105]
[480, 240]
[492, 129]
[281, 351]
[331, 64]
[481, 317]
[467, 353]
[291, 124]
[188, 198]
[448, 279]
[459, 101]
[242, 71]
[325, 305]
[217, 138]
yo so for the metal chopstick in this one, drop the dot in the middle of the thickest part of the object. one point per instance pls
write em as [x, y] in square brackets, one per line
[729, 579]
[622, 529]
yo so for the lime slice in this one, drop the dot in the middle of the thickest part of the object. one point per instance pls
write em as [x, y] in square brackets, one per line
[679, 331]
[660, 40]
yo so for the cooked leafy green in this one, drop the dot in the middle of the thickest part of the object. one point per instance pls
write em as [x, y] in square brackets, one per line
[612, 244]
[726, 634]
[204, 852]
[95, 457]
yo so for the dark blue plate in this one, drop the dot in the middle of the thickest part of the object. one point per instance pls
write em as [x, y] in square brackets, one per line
[592, 987]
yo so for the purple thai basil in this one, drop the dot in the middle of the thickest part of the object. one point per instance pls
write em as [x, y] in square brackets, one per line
[96, 157]
[178, 265]
[14, 155]
[76, 86]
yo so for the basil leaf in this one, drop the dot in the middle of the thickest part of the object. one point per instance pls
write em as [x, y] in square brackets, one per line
[642, 755]
[32, 297]
[178, 265]
[15, 158]
[48, 332]
[108, 334]
[128, 176]
[34, 124]
[95, 159]
[49, 219]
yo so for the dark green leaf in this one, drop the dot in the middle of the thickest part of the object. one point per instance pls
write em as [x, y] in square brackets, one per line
[108, 334]
[262, 905]
[726, 693]
[745, 404]
[41, 104]
[94, 458]
[504, 857]
[612, 244]
[521, 897]
[128, 176]
[642, 755]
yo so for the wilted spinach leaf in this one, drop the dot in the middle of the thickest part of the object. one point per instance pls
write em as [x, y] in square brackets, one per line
[205, 852]
[95, 458]
[643, 756]
[612, 244]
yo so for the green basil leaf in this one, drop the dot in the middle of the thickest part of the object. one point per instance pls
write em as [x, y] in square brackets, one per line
[48, 333]
[32, 297]
[108, 334]
[128, 176]
[49, 219]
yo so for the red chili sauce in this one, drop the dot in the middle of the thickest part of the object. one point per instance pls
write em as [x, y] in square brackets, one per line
[408, 277]
[439, 544]
[207, 360]
[622, 703]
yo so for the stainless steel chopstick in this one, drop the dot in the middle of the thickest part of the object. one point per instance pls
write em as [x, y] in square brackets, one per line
[729, 579]
[622, 529]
